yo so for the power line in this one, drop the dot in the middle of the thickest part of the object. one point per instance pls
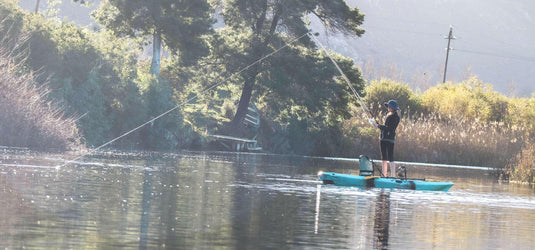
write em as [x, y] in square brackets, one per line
[404, 31]
[529, 59]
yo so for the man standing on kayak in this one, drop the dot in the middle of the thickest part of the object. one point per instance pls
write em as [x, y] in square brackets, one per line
[388, 134]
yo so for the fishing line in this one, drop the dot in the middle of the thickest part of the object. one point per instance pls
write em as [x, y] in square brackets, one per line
[367, 112]
[188, 100]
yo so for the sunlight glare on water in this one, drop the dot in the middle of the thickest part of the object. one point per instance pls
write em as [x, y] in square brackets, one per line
[226, 200]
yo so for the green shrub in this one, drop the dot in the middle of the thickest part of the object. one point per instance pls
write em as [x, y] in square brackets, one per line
[379, 92]
[162, 133]
[470, 99]
[522, 113]
[11, 23]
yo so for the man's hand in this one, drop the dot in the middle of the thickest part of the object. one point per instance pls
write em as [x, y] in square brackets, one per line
[372, 122]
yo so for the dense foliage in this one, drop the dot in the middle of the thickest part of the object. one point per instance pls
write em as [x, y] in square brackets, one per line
[256, 28]
[179, 24]
[471, 99]
[94, 76]
[379, 92]
[29, 119]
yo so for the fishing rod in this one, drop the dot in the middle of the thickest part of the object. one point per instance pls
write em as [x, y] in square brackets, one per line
[367, 112]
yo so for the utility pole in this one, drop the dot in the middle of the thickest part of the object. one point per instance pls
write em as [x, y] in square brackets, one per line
[450, 37]
[37, 7]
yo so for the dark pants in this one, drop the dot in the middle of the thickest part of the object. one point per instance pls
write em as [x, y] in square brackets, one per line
[387, 151]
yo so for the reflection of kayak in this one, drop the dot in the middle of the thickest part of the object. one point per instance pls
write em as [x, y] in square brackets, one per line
[381, 182]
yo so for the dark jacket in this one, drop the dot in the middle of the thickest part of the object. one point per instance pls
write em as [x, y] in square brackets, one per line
[388, 131]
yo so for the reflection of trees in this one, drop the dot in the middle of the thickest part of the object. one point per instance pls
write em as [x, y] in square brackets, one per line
[68, 208]
[382, 221]
[12, 209]
[204, 204]
[148, 203]
[169, 207]
[263, 218]
[193, 208]
[145, 209]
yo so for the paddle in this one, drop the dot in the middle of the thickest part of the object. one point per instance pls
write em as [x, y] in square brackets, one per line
[378, 169]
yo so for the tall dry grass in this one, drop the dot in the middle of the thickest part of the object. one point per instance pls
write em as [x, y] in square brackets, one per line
[444, 140]
[27, 118]
[521, 168]
[448, 140]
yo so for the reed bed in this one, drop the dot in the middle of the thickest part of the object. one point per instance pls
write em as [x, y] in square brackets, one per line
[432, 138]
[27, 118]
[521, 169]
[445, 140]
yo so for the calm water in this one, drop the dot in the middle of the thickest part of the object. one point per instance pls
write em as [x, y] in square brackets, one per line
[247, 201]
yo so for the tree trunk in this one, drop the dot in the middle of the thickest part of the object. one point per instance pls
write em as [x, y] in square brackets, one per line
[236, 126]
[156, 48]
[260, 47]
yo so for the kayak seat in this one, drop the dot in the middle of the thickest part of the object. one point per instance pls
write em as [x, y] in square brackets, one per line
[365, 166]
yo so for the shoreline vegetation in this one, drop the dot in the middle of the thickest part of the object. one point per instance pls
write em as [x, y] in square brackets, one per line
[29, 119]
[64, 87]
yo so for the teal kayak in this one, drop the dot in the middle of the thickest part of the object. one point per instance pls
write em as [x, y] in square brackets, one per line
[383, 182]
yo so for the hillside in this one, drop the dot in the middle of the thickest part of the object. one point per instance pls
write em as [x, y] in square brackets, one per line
[494, 40]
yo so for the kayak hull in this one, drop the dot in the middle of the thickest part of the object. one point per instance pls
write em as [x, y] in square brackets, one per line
[379, 182]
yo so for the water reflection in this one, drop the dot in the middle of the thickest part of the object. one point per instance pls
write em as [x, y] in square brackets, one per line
[317, 215]
[145, 209]
[246, 201]
[382, 220]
